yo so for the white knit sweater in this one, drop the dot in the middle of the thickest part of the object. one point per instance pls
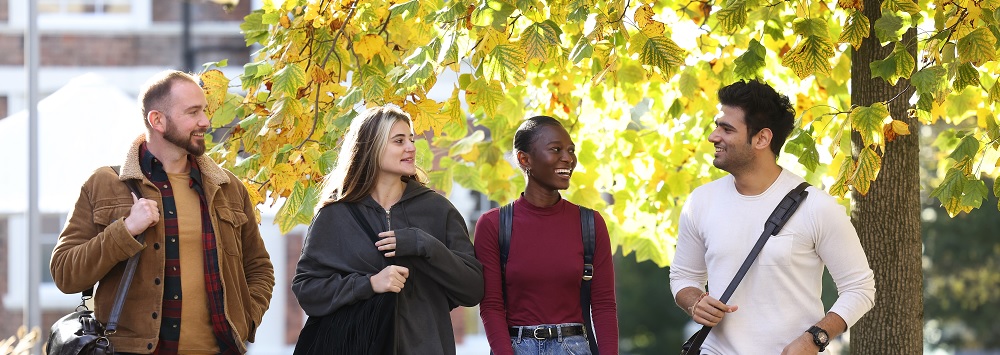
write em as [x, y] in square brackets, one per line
[780, 296]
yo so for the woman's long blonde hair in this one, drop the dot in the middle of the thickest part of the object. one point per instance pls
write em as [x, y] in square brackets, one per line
[358, 162]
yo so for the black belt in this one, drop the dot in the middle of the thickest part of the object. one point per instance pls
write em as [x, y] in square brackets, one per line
[546, 332]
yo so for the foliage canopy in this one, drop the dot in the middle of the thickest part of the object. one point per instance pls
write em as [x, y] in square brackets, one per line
[634, 82]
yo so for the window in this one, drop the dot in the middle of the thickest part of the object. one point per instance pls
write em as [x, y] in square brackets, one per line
[51, 225]
[84, 14]
[79, 7]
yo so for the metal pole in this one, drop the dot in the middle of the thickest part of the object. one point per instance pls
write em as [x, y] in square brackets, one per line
[32, 311]
[188, 52]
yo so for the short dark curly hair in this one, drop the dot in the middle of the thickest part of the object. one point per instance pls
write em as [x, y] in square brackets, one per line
[763, 107]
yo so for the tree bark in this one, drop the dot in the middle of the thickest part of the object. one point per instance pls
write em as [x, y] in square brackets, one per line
[888, 217]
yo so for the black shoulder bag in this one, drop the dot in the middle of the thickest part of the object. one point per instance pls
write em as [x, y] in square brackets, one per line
[79, 332]
[781, 214]
[365, 327]
[589, 241]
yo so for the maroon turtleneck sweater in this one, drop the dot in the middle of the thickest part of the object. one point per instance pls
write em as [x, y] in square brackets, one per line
[544, 270]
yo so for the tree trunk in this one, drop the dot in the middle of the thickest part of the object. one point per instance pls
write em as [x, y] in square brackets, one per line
[888, 217]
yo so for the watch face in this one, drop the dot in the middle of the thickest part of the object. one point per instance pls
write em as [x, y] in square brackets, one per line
[823, 337]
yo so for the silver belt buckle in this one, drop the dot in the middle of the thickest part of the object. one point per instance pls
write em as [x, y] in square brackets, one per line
[534, 333]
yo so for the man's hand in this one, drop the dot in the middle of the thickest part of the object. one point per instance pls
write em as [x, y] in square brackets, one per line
[390, 279]
[803, 345]
[144, 214]
[710, 311]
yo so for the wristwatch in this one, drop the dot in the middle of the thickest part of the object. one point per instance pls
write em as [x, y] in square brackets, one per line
[820, 337]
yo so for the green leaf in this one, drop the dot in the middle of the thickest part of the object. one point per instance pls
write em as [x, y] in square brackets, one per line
[247, 165]
[869, 164]
[810, 56]
[973, 193]
[663, 53]
[750, 65]
[811, 27]
[298, 207]
[253, 28]
[254, 74]
[227, 112]
[887, 28]
[995, 92]
[352, 97]
[466, 144]
[803, 146]
[289, 79]
[405, 10]
[492, 13]
[977, 47]
[996, 190]
[505, 63]
[416, 75]
[733, 16]
[967, 149]
[327, 161]
[270, 18]
[856, 29]
[443, 178]
[930, 81]
[967, 75]
[868, 122]
[907, 6]
[538, 37]
[992, 129]
[373, 83]
[899, 64]
[219, 64]
[485, 96]
[950, 187]
[582, 50]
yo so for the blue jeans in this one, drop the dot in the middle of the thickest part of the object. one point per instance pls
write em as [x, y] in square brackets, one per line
[569, 345]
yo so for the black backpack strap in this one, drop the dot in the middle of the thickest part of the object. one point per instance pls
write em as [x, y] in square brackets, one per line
[505, 229]
[365, 226]
[589, 243]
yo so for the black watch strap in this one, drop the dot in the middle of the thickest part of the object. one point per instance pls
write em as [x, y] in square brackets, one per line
[820, 337]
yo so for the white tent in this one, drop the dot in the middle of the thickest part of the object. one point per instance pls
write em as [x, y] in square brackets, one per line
[85, 124]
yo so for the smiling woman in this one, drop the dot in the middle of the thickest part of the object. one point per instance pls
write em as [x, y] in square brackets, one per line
[417, 268]
[526, 311]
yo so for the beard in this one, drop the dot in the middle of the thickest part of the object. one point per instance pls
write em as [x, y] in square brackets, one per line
[174, 136]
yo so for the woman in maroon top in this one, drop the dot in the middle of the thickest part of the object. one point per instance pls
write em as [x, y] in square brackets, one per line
[545, 262]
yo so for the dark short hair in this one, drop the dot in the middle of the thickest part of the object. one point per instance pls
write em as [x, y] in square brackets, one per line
[528, 132]
[763, 107]
[155, 94]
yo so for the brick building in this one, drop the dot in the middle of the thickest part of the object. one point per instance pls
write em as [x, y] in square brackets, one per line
[126, 41]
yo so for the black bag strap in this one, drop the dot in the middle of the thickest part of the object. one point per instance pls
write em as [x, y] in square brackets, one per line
[360, 219]
[589, 241]
[506, 226]
[772, 226]
[116, 309]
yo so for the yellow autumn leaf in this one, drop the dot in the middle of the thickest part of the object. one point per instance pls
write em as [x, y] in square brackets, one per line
[369, 45]
[900, 127]
[282, 179]
[643, 15]
[216, 85]
[426, 115]
[654, 28]
[869, 164]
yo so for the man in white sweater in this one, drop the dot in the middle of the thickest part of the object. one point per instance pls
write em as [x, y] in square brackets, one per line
[777, 308]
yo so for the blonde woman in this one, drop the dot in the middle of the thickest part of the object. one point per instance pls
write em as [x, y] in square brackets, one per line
[421, 253]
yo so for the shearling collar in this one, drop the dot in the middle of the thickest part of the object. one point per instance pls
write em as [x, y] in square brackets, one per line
[210, 171]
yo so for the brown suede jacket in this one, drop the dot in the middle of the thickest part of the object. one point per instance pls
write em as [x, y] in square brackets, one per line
[94, 244]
